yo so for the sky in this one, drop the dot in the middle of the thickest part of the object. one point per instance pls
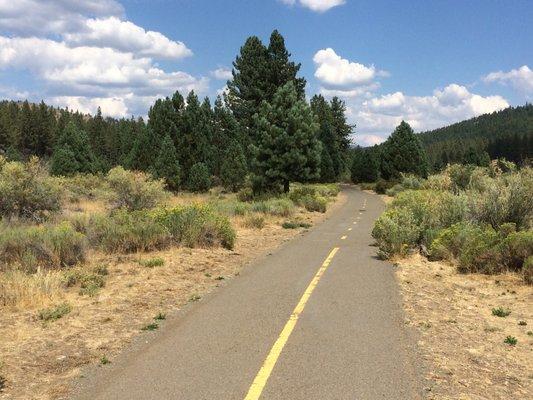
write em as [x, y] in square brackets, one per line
[431, 63]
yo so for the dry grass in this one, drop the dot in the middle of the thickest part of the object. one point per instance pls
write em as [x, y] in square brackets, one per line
[462, 342]
[38, 359]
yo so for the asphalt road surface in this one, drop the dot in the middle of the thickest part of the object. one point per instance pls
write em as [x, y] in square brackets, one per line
[320, 318]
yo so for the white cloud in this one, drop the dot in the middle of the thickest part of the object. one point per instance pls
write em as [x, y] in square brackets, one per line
[127, 37]
[316, 5]
[32, 17]
[222, 74]
[379, 115]
[85, 54]
[334, 70]
[521, 79]
[93, 72]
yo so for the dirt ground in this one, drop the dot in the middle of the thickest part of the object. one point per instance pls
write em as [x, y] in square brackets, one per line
[461, 340]
[38, 360]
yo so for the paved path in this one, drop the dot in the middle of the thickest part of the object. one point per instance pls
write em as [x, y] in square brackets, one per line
[318, 319]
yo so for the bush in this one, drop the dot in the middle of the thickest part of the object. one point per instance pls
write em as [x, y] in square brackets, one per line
[516, 248]
[396, 231]
[382, 186]
[135, 190]
[33, 247]
[505, 199]
[127, 232]
[245, 194]
[295, 225]
[197, 226]
[275, 207]
[27, 191]
[255, 222]
[480, 252]
[527, 271]
[459, 176]
[90, 186]
[315, 203]
[55, 313]
[440, 182]
[199, 178]
[449, 242]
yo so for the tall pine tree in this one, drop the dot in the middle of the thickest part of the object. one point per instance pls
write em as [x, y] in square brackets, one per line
[287, 149]
[403, 153]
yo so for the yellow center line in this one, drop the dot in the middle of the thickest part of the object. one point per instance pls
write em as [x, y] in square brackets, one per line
[256, 389]
[350, 229]
[344, 237]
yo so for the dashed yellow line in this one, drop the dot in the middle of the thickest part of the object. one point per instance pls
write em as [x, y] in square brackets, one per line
[349, 229]
[344, 237]
[256, 389]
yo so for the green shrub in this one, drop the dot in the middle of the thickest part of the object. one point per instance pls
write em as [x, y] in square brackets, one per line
[27, 191]
[31, 247]
[90, 186]
[481, 252]
[396, 231]
[298, 193]
[199, 178]
[315, 203]
[328, 189]
[55, 313]
[501, 312]
[275, 207]
[127, 232]
[135, 190]
[152, 262]
[516, 248]
[367, 186]
[197, 226]
[295, 225]
[459, 176]
[382, 186]
[511, 340]
[506, 198]
[527, 271]
[245, 194]
[255, 222]
[449, 242]
[439, 182]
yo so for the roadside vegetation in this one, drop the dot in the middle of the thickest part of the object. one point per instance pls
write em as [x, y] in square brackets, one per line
[480, 219]
[51, 227]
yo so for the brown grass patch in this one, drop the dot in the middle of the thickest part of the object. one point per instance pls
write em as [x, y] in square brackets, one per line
[462, 342]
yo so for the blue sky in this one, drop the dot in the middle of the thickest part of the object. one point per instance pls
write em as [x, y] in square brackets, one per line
[429, 62]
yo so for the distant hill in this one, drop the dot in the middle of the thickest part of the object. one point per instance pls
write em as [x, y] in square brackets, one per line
[507, 133]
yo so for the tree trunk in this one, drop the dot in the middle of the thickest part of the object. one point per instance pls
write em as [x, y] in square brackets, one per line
[286, 186]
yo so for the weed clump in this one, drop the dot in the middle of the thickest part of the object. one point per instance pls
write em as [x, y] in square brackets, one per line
[501, 312]
[55, 313]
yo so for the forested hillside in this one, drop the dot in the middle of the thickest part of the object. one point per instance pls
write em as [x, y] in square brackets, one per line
[507, 133]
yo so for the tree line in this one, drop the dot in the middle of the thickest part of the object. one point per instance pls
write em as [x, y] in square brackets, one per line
[262, 130]
[504, 134]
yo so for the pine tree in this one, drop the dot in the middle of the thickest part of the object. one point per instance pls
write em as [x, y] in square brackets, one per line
[365, 165]
[145, 150]
[166, 165]
[225, 131]
[327, 135]
[258, 73]
[73, 153]
[251, 82]
[327, 171]
[233, 170]
[287, 149]
[199, 179]
[403, 153]
[282, 70]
